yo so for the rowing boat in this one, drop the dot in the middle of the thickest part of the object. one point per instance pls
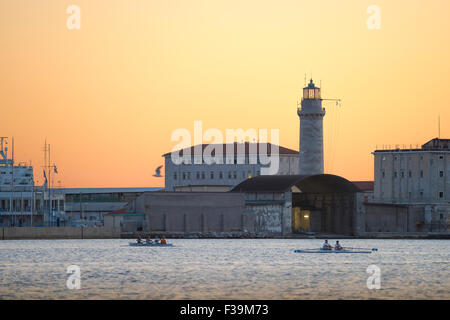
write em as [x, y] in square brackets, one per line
[135, 244]
[332, 251]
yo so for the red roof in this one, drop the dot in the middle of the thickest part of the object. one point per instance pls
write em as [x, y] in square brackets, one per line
[238, 146]
[364, 185]
[123, 210]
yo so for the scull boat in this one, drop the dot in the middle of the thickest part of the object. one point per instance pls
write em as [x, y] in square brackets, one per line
[334, 251]
[135, 244]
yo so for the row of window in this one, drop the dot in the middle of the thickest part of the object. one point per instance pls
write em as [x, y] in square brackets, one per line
[233, 161]
[441, 157]
[441, 195]
[16, 172]
[212, 175]
[402, 174]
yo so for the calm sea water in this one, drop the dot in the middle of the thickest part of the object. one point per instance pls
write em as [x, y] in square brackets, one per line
[223, 269]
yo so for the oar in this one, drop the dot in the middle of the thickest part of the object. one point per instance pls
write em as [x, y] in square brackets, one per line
[373, 249]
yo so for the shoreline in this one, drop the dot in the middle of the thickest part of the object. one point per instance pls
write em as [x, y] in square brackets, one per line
[58, 233]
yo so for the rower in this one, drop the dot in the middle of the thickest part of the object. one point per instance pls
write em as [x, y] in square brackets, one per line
[338, 246]
[139, 240]
[326, 246]
[148, 240]
[163, 240]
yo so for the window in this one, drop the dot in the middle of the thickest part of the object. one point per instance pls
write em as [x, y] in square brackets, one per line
[249, 175]
[212, 175]
[421, 194]
[229, 175]
[409, 174]
[220, 175]
[258, 173]
[203, 175]
[421, 173]
[441, 173]
[395, 174]
[175, 176]
[198, 175]
[441, 157]
[235, 175]
[382, 174]
[189, 175]
[441, 195]
[403, 174]
[184, 175]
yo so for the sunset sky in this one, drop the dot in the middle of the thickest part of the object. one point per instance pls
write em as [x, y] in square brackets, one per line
[108, 96]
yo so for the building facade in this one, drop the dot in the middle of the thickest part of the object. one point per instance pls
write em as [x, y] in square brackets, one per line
[286, 205]
[416, 181]
[180, 213]
[197, 175]
[88, 206]
[413, 176]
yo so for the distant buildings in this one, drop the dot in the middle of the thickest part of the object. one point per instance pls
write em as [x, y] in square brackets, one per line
[413, 176]
[192, 176]
[412, 189]
[87, 206]
[231, 194]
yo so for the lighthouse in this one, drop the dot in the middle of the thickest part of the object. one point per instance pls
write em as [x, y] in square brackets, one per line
[311, 116]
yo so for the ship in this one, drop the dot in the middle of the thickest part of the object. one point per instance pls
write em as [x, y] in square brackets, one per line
[22, 202]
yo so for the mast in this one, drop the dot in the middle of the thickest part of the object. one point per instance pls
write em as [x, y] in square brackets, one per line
[12, 184]
[45, 165]
[49, 188]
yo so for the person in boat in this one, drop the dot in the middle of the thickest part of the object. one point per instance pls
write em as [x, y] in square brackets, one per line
[326, 246]
[139, 240]
[157, 240]
[338, 246]
[148, 240]
[163, 240]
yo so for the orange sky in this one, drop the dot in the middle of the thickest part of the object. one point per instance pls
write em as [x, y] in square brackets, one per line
[108, 96]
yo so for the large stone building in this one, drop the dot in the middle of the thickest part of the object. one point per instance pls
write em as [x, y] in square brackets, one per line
[196, 175]
[412, 189]
[419, 176]
[184, 213]
[292, 204]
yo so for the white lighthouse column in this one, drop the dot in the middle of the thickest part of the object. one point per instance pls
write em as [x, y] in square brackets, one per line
[311, 116]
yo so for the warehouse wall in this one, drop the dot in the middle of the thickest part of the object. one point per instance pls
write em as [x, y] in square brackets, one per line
[194, 212]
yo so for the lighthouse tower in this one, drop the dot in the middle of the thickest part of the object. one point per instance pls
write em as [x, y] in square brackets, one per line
[311, 116]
